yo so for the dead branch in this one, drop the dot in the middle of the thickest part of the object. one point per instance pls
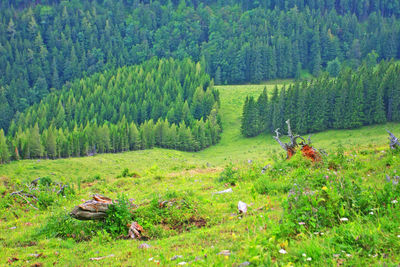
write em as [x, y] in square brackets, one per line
[19, 193]
[61, 191]
[101, 258]
[290, 147]
[284, 146]
[394, 141]
[293, 138]
[135, 230]
[35, 182]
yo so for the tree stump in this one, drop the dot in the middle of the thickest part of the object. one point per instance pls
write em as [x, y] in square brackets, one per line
[307, 150]
[94, 209]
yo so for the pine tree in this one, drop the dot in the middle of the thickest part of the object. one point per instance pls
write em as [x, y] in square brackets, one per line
[51, 145]
[4, 152]
[264, 117]
[5, 109]
[250, 118]
[333, 67]
[34, 144]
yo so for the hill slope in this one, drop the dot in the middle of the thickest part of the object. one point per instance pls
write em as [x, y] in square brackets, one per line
[165, 174]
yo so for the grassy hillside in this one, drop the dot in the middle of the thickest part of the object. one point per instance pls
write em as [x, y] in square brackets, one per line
[166, 174]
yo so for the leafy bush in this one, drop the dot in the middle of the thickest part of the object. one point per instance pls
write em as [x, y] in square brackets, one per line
[125, 172]
[118, 217]
[45, 181]
[229, 175]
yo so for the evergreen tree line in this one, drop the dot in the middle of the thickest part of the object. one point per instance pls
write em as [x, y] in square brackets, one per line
[109, 138]
[165, 103]
[46, 44]
[370, 95]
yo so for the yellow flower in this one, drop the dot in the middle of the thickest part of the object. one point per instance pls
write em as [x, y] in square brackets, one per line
[325, 188]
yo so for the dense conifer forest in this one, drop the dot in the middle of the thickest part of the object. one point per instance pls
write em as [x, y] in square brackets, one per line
[370, 95]
[164, 103]
[47, 44]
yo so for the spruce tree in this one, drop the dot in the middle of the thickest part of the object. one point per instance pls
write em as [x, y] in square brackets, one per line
[34, 144]
[264, 117]
[51, 145]
[4, 152]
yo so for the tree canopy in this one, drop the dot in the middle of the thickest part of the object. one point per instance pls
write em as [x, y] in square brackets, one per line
[48, 43]
[370, 95]
[166, 103]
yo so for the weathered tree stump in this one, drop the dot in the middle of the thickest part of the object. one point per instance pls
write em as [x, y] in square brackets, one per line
[307, 150]
[94, 209]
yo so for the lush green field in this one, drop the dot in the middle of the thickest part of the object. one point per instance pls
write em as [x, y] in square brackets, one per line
[256, 237]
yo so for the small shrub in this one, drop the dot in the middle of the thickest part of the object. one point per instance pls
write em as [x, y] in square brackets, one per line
[118, 216]
[125, 172]
[337, 160]
[229, 175]
[45, 181]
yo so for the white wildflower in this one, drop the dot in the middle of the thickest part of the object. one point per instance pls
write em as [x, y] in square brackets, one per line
[344, 219]
[394, 201]
[309, 259]
[371, 213]
[282, 251]
[302, 223]
[304, 255]
[348, 255]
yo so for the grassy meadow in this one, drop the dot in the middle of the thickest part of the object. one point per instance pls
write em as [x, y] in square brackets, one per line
[267, 235]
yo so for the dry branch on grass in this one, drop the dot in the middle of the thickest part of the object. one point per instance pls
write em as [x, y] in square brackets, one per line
[135, 230]
[24, 196]
[394, 141]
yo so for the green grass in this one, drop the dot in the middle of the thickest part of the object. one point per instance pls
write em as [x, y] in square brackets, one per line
[251, 238]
